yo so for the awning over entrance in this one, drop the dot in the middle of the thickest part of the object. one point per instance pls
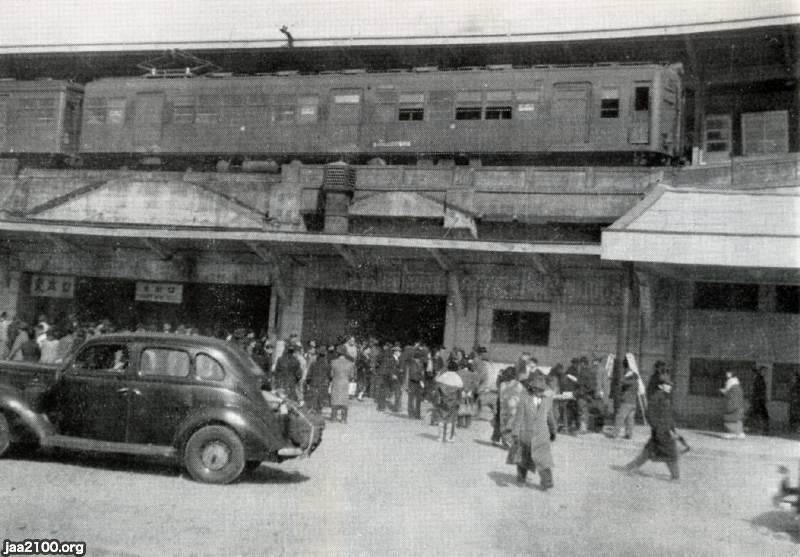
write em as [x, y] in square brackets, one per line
[751, 228]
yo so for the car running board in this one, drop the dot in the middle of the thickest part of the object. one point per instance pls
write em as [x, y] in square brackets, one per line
[82, 444]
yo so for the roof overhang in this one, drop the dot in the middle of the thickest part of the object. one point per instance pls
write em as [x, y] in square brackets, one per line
[297, 238]
[740, 229]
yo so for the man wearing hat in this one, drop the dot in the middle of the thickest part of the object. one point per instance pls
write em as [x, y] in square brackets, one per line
[533, 428]
[389, 376]
[287, 372]
[661, 447]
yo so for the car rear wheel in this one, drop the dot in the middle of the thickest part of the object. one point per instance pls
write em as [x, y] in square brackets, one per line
[5, 434]
[214, 454]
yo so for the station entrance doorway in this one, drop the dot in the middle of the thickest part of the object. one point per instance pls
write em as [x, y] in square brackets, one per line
[405, 318]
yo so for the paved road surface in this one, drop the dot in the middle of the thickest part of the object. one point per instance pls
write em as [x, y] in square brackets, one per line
[383, 485]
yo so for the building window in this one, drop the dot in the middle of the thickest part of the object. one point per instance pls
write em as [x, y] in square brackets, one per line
[765, 133]
[707, 376]
[641, 100]
[725, 296]
[787, 299]
[609, 102]
[183, 110]
[717, 137]
[782, 379]
[521, 327]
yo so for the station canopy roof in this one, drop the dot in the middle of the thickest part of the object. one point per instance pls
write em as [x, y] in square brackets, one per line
[756, 229]
[31, 26]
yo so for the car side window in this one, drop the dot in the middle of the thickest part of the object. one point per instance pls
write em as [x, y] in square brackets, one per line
[164, 362]
[208, 369]
[113, 358]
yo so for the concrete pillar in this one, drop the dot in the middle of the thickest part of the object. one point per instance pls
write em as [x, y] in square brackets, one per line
[10, 282]
[290, 310]
[681, 343]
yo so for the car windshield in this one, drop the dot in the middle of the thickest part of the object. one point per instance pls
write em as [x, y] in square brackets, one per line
[246, 359]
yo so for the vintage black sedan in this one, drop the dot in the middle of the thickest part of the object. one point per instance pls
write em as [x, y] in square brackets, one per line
[194, 399]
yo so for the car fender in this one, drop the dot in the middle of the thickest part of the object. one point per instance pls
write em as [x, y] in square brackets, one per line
[259, 439]
[14, 405]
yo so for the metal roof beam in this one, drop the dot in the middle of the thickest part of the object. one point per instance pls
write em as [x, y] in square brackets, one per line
[267, 256]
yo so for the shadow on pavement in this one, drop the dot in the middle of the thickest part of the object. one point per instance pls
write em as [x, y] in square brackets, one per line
[430, 436]
[113, 462]
[503, 479]
[269, 475]
[782, 524]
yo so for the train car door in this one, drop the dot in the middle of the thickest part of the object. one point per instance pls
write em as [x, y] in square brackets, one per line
[148, 120]
[344, 120]
[639, 133]
[570, 113]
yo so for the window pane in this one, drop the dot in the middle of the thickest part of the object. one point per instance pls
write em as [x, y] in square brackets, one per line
[411, 114]
[787, 299]
[468, 113]
[521, 327]
[116, 111]
[95, 110]
[642, 99]
[609, 108]
[208, 368]
[726, 297]
[498, 113]
[108, 357]
[164, 362]
[783, 376]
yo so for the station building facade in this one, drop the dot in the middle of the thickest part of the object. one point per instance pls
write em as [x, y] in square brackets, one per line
[698, 266]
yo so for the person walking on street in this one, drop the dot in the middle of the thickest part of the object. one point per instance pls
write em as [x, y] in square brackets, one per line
[389, 375]
[533, 428]
[734, 407]
[342, 373]
[318, 379]
[448, 398]
[759, 415]
[629, 398]
[415, 378]
[661, 446]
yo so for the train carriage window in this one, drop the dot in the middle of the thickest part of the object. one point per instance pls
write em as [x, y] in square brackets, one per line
[95, 110]
[441, 105]
[385, 104]
[718, 133]
[38, 110]
[283, 110]
[232, 111]
[529, 101]
[308, 109]
[208, 108]
[345, 106]
[641, 100]
[412, 107]
[116, 111]
[468, 105]
[183, 110]
[609, 102]
[498, 105]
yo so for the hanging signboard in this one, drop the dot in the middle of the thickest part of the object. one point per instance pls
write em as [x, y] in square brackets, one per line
[52, 286]
[164, 292]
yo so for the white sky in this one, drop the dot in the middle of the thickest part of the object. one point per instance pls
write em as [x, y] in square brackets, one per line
[53, 23]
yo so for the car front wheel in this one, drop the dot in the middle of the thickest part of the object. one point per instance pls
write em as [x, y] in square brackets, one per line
[214, 454]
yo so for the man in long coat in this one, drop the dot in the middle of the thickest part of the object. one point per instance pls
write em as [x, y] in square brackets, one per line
[287, 373]
[389, 375]
[343, 371]
[533, 428]
[661, 447]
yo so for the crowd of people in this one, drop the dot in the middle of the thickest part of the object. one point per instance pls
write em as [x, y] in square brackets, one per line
[529, 404]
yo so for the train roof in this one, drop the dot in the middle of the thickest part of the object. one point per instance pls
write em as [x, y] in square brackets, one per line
[420, 70]
[37, 85]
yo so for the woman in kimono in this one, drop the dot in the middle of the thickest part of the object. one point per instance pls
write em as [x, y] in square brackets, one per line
[510, 393]
[533, 428]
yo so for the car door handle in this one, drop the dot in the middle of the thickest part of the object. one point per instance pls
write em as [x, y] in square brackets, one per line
[123, 390]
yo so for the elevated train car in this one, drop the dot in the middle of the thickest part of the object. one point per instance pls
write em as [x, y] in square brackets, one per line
[494, 114]
[39, 119]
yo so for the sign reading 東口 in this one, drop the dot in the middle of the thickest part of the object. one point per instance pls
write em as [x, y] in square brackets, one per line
[166, 292]
[52, 286]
